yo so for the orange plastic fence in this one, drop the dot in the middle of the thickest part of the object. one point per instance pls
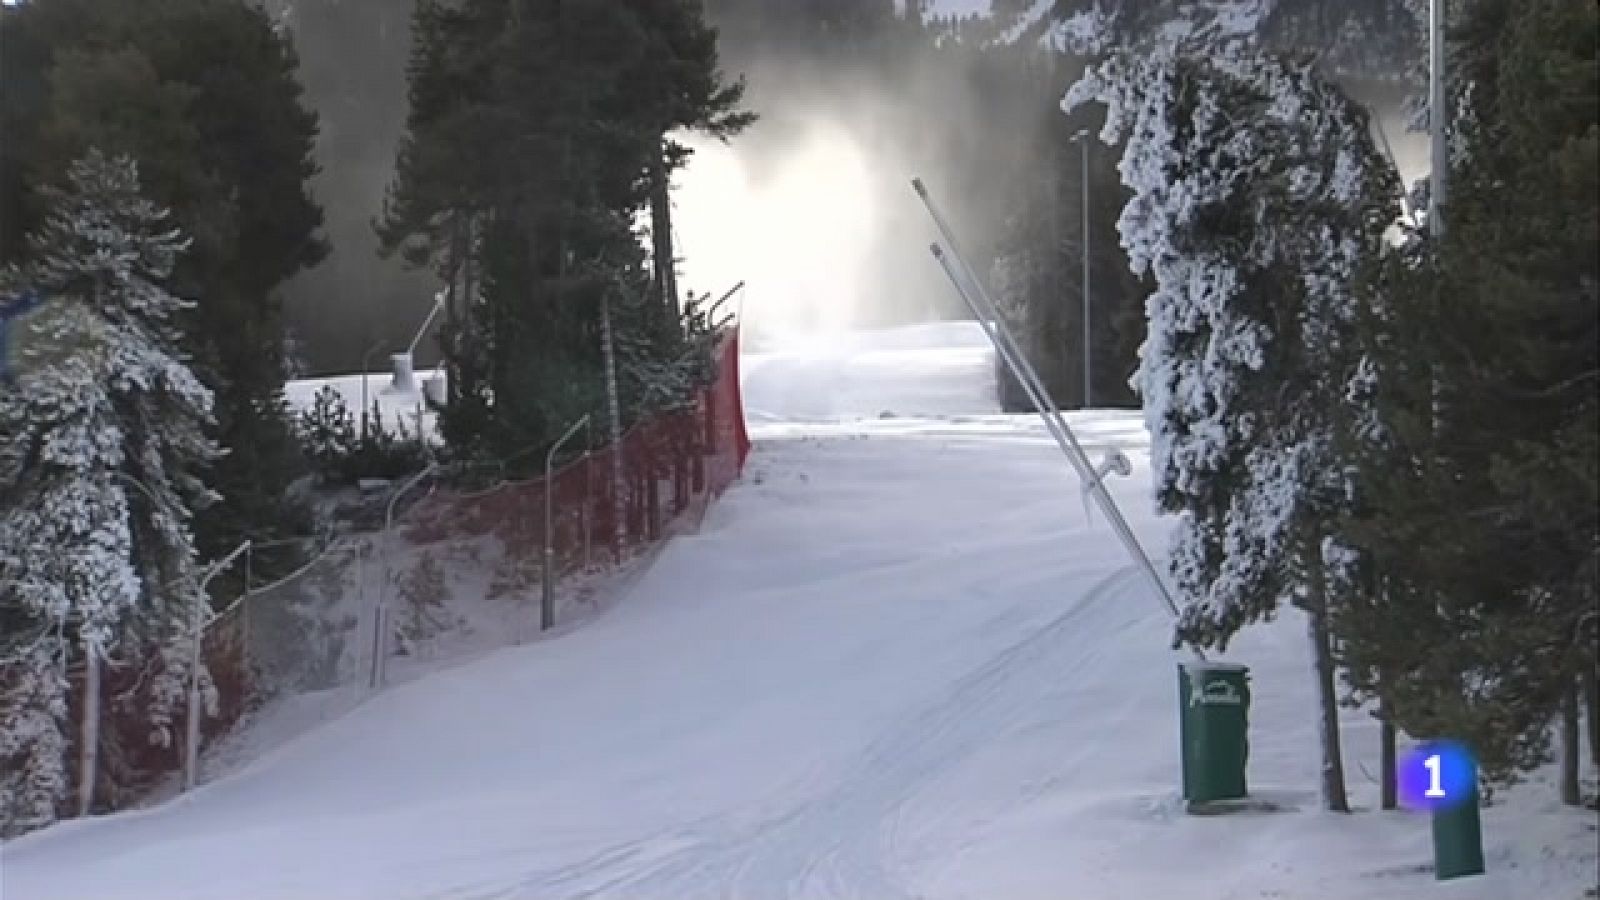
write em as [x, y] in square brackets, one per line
[671, 466]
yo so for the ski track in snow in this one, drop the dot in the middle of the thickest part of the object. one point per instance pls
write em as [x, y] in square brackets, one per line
[843, 839]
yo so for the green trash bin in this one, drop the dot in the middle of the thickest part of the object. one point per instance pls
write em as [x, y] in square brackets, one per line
[1458, 837]
[1213, 730]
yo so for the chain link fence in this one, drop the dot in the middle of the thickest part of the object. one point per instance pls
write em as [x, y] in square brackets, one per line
[457, 570]
[448, 572]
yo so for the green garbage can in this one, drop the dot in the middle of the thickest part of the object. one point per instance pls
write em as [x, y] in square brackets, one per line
[1213, 729]
[1458, 834]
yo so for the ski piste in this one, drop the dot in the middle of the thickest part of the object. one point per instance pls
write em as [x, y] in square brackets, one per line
[896, 661]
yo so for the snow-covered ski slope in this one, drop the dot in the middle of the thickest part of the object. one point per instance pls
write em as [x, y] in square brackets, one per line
[897, 662]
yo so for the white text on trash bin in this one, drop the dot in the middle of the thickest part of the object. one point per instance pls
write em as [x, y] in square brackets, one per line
[1216, 693]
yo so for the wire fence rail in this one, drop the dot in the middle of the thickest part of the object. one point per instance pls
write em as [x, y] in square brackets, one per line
[319, 640]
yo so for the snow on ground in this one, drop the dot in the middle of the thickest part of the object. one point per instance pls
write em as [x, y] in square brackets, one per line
[394, 405]
[897, 661]
[486, 599]
[944, 368]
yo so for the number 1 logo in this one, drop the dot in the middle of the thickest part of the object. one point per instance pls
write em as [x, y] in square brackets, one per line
[1437, 775]
[1435, 766]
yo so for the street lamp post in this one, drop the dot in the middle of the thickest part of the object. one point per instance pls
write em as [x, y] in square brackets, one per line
[1438, 119]
[1082, 139]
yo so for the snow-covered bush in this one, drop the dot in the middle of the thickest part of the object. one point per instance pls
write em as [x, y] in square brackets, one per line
[343, 454]
[422, 614]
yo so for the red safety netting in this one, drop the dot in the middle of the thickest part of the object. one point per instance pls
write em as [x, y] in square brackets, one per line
[662, 474]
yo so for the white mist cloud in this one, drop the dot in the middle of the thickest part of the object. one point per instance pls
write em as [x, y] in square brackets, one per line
[801, 235]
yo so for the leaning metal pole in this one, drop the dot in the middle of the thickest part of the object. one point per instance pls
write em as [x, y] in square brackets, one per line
[1009, 349]
[977, 300]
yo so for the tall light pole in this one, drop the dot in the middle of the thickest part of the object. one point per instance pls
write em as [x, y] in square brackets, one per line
[1082, 140]
[1438, 119]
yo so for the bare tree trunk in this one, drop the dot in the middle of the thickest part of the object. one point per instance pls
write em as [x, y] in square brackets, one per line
[661, 242]
[1571, 750]
[89, 733]
[1389, 774]
[1333, 791]
[1591, 703]
[614, 417]
[455, 310]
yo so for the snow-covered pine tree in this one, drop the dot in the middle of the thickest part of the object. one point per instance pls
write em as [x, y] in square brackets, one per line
[1257, 193]
[97, 482]
[327, 432]
[1377, 39]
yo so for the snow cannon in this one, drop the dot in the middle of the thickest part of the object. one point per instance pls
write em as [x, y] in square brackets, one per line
[404, 380]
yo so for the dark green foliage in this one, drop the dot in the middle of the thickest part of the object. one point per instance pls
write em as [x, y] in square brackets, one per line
[537, 133]
[1038, 273]
[1480, 529]
[203, 94]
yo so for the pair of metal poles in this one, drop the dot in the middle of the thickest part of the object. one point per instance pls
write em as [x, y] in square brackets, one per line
[982, 306]
[191, 750]
[382, 632]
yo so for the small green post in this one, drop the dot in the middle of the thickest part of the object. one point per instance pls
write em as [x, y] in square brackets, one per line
[1213, 730]
[1458, 837]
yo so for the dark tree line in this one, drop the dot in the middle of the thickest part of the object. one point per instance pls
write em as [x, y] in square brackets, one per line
[1477, 586]
[203, 95]
[538, 132]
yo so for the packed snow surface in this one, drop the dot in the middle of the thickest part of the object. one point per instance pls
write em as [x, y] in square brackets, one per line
[897, 661]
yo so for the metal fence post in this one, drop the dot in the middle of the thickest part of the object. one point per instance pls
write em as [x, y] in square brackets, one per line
[587, 511]
[191, 754]
[380, 613]
[547, 596]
